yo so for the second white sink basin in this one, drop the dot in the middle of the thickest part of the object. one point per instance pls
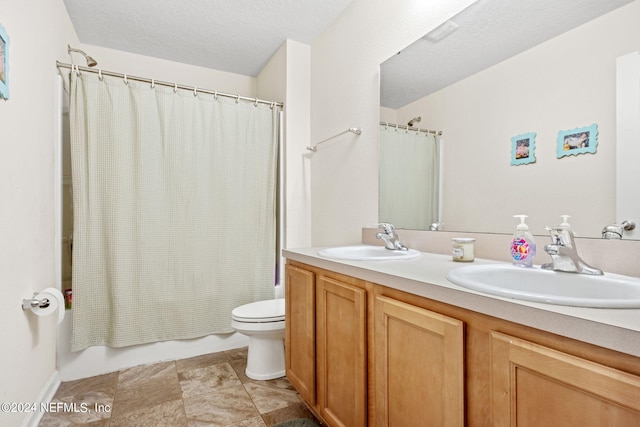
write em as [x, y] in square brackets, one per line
[366, 253]
[551, 287]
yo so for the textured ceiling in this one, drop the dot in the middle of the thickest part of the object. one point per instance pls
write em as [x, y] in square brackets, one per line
[489, 31]
[238, 36]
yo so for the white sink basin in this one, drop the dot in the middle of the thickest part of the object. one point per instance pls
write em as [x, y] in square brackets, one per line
[551, 287]
[366, 253]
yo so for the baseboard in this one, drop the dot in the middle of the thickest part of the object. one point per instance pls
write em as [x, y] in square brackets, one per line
[46, 395]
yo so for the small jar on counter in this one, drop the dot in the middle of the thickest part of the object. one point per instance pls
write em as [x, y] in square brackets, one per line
[463, 249]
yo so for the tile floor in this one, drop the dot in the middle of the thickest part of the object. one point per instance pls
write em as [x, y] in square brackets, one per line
[208, 390]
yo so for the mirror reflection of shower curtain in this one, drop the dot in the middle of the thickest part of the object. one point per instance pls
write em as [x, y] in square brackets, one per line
[409, 171]
[174, 210]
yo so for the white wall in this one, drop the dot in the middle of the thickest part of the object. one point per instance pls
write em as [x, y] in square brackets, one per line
[565, 83]
[297, 158]
[168, 71]
[286, 78]
[345, 72]
[39, 31]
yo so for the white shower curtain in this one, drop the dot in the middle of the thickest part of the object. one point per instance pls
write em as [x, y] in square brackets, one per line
[174, 210]
[408, 173]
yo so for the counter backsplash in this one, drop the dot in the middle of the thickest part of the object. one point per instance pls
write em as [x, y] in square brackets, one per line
[615, 256]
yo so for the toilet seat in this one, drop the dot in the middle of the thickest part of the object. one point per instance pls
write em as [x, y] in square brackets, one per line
[260, 311]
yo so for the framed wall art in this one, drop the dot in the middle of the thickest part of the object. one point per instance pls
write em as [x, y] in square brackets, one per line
[523, 149]
[4, 63]
[578, 141]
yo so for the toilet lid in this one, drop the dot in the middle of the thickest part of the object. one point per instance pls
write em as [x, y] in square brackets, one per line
[260, 311]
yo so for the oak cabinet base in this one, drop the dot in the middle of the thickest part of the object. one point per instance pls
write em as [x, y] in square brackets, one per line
[363, 354]
[419, 360]
[532, 385]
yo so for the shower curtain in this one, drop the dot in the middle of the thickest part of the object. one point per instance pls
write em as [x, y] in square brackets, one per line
[409, 170]
[174, 210]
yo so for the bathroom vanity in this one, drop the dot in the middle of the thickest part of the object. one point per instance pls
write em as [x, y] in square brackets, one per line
[394, 343]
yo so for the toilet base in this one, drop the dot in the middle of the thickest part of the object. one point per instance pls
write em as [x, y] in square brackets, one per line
[265, 358]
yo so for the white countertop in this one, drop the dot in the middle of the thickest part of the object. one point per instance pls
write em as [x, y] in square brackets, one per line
[616, 329]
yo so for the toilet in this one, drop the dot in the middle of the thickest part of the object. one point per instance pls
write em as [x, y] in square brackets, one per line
[263, 323]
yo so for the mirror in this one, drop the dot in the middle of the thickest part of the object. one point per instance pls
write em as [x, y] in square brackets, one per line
[542, 68]
[408, 172]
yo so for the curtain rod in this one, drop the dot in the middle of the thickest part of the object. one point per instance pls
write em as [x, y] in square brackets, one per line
[175, 86]
[396, 126]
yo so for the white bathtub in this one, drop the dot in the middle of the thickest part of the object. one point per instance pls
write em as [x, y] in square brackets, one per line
[99, 360]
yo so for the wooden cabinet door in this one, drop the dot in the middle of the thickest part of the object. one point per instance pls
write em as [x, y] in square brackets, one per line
[419, 366]
[300, 326]
[341, 352]
[532, 385]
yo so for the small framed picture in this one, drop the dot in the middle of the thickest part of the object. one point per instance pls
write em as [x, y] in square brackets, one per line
[4, 64]
[523, 149]
[578, 141]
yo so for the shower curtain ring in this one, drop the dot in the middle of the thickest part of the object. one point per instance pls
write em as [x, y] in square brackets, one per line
[125, 80]
[153, 84]
[195, 91]
[215, 95]
[237, 98]
[255, 104]
[273, 104]
[100, 76]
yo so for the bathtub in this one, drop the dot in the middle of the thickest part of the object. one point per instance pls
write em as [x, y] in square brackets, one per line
[99, 360]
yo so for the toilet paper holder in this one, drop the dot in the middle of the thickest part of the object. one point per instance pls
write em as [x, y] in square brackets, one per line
[28, 304]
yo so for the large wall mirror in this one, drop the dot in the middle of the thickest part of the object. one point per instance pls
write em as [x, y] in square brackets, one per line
[500, 70]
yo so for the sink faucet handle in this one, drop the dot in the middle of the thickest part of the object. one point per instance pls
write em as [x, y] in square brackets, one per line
[387, 227]
[554, 232]
[561, 236]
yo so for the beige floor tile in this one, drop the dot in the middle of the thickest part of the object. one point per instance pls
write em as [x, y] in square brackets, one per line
[105, 383]
[201, 361]
[144, 373]
[291, 412]
[207, 380]
[207, 390]
[224, 407]
[251, 422]
[167, 414]
[278, 383]
[144, 386]
[61, 423]
[240, 366]
[237, 353]
[79, 409]
[268, 399]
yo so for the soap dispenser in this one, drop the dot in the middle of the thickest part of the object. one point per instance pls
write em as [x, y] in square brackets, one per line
[523, 246]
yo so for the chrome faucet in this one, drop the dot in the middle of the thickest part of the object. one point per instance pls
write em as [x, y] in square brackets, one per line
[390, 237]
[564, 255]
[615, 231]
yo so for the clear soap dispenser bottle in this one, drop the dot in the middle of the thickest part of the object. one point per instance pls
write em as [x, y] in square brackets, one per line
[523, 246]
